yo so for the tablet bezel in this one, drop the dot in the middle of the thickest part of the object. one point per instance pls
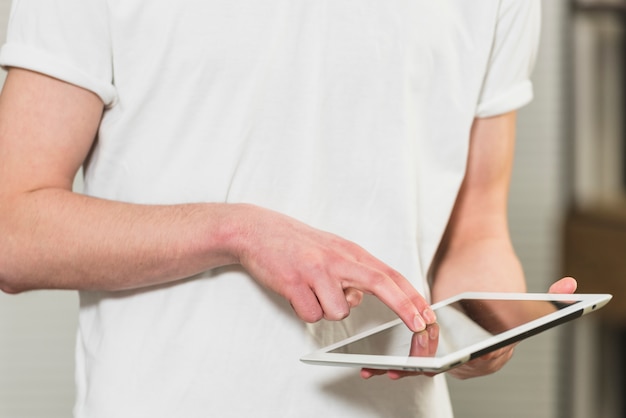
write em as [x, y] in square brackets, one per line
[587, 303]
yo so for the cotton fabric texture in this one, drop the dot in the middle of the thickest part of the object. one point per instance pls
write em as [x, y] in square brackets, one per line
[350, 115]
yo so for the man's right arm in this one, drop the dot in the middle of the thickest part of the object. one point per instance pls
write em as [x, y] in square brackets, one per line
[53, 238]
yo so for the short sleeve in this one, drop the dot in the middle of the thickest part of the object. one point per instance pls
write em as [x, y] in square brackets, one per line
[507, 85]
[65, 39]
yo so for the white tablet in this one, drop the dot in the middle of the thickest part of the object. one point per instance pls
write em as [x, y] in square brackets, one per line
[468, 326]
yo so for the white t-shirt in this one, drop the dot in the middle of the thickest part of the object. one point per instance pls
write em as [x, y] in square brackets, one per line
[350, 115]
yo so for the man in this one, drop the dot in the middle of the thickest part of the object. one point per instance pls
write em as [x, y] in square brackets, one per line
[246, 158]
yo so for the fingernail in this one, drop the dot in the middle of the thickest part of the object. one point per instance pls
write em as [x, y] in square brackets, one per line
[419, 323]
[433, 332]
[422, 339]
[429, 316]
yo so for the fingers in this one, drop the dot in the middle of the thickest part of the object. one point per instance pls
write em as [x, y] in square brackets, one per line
[565, 285]
[332, 299]
[306, 305]
[391, 288]
[485, 365]
[320, 274]
[367, 373]
[354, 297]
[331, 292]
[336, 306]
[423, 344]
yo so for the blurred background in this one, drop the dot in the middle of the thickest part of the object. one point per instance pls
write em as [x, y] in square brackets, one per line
[568, 217]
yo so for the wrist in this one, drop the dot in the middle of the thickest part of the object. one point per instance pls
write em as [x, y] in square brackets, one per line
[232, 230]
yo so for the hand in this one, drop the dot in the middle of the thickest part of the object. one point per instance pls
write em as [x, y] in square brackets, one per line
[484, 365]
[494, 361]
[423, 344]
[321, 274]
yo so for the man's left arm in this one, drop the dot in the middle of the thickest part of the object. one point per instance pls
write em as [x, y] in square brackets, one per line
[476, 253]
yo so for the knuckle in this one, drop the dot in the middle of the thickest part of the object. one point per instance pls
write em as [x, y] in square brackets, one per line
[310, 314]
[394, 275]
[406, 303]
[313, 317]
[291, 281]
[376, 280]
[316, 268]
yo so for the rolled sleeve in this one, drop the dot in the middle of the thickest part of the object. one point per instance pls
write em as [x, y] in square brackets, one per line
[507, 85]
[65, 39]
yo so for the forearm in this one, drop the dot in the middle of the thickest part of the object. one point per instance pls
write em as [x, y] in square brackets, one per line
[486, 264]
[476, 252]
[57, 239]
[53, 238]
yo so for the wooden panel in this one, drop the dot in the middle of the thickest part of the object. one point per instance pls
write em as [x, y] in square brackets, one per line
[595, 254]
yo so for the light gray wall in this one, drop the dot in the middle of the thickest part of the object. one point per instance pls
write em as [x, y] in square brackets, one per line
[37, 329]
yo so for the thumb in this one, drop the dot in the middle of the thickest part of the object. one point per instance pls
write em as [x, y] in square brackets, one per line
[565, 285]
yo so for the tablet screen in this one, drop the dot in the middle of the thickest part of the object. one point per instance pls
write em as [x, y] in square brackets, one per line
[459, 325]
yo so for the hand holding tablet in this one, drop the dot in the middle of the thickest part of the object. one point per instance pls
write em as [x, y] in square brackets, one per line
[469, 326]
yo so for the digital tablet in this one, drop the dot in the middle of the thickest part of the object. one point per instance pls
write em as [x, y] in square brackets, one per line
[468, 325]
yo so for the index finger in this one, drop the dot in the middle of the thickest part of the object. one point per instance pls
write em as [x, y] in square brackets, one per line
[394, 291]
